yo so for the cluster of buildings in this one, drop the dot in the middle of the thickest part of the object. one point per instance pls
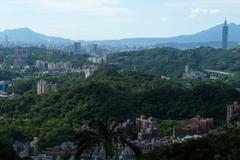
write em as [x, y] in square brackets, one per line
[146, 128]
[98, 49]
[44, 87]
[66, 150]
[141, 128]
[86, 70]
[144, 134]
[4, 85]
[26, 149]
[98, 59]
[189, 74]
[231, 110]
[21, 57]
[89, 70]
[61, 67]
[54, 67]
[81, 48]
[196, 126]
[92, 49]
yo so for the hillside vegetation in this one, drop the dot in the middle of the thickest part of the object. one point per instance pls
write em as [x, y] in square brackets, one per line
[122, 95]
[170, 62]
[218, 147]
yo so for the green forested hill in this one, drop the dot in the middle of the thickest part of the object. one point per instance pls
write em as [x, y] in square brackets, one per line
[218, 147]
[121, 95]
[170, 62]
[55, 117]
[127, 92]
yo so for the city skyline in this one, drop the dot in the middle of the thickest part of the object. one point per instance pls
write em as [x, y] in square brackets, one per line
[117, 19]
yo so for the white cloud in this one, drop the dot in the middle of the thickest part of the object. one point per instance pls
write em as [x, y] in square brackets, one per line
[202, 11]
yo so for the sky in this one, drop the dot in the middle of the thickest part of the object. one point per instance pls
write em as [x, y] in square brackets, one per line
[116, 19]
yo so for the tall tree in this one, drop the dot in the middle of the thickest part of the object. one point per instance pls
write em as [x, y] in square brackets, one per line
[101, 133]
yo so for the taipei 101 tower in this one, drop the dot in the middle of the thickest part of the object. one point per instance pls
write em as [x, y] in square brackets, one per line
[225, 36]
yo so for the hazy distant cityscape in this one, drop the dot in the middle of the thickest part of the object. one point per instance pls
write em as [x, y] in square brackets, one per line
[208, 38]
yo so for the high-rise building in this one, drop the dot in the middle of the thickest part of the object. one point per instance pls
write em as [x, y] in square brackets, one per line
[3, 86]
[93, 48]
[22, 53]
[6, 41]
[44, 87]
[225, 36]
[231, 109]
[21, 57]
[146, 128]
[77, 47]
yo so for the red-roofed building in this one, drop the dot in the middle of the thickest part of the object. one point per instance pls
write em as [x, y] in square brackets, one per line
[197, 125]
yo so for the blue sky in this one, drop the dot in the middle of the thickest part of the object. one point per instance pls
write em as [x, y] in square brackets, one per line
[115, 19]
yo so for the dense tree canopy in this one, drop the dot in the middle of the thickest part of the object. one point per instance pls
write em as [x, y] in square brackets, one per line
[218, 147]
[170, 62]
[126, 95]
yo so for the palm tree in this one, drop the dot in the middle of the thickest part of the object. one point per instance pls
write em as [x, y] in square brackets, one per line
[102, 134]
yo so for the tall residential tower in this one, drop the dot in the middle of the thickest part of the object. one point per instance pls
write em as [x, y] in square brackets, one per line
[225, 36]
[77, 47]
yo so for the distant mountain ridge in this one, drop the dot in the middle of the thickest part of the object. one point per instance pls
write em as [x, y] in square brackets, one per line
[27, 36]
[211, 35]
[206, 37]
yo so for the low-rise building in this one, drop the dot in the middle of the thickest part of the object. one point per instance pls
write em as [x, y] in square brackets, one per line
[98, 59]
[89, 70]
[189, 74]
[196, 126]
[41, 64]
[53, 67]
